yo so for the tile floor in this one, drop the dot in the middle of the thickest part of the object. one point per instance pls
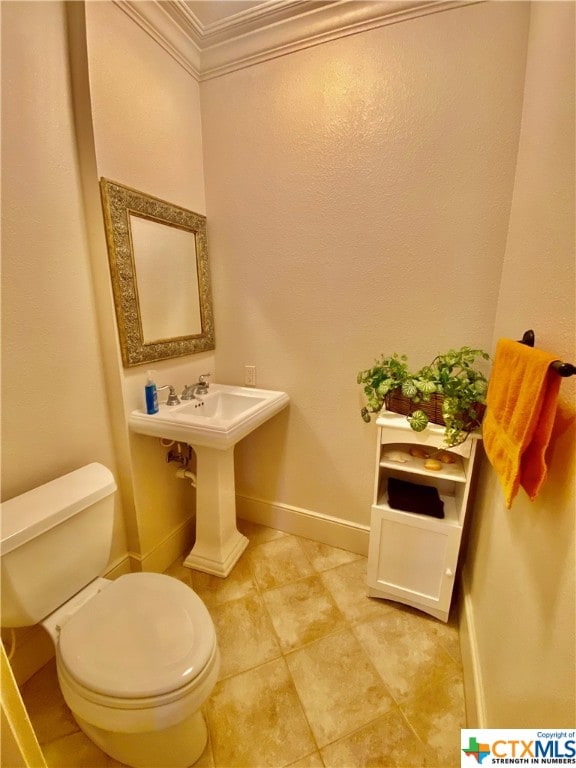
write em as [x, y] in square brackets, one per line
[314, 673]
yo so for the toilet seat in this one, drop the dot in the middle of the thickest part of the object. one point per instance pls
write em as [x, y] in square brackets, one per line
[145, 635]
[138, 715]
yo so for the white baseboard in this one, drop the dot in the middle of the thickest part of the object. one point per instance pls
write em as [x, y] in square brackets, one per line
[179, 541]
[333, 531]
[118, 568]
[473, 684]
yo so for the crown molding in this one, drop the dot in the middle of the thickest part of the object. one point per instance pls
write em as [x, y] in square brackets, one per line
[252, 19]
[272, 29]
[151, 16]
[314, 27]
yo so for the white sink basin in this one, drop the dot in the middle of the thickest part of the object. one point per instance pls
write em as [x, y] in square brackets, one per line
[218, 419]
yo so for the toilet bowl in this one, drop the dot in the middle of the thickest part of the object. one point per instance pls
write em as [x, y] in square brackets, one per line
[135, 663]
[136, 657]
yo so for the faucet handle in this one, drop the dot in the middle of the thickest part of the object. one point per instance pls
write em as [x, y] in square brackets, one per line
[172, 396]
[203, 378]
[188, 392]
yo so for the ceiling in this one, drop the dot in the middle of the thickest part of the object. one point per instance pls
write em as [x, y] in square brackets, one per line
[210, 12]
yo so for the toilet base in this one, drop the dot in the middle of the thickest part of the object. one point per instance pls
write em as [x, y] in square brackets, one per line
[178, 746]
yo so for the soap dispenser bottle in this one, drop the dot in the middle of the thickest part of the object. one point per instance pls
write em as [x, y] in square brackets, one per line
[151, 394]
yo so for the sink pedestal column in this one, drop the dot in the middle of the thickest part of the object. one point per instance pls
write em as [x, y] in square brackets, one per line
[219, 543]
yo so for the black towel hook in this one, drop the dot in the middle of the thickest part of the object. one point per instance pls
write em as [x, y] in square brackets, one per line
[563, 369]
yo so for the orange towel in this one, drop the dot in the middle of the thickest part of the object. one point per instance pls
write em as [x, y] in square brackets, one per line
[521, 405]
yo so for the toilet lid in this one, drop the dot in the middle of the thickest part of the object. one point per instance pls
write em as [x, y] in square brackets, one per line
[144, 635]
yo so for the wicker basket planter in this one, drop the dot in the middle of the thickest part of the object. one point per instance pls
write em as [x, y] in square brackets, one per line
[399, 403]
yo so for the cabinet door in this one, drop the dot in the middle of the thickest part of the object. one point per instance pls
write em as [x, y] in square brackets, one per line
[413, 560]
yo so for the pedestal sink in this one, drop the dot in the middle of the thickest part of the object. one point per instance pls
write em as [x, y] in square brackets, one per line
[212, 424]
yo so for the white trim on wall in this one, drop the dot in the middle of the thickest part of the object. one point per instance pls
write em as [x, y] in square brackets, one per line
[168, 550]
[258, 34]
[152, 18]
[473, 684]
[314, 28]
[303, 522]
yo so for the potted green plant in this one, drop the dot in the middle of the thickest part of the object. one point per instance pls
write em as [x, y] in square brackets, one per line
[450, 391]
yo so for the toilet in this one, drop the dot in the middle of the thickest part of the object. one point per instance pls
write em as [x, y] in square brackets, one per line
[136, 657]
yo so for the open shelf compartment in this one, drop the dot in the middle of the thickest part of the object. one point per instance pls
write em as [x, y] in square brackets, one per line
[455, 472]
[450, 510]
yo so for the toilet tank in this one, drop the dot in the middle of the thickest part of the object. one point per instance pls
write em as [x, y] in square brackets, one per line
[55, 540]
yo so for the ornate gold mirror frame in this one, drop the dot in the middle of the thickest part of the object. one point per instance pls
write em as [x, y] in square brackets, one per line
[158, 259]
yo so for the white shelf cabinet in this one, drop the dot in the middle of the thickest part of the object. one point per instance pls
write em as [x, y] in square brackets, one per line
[413, 558]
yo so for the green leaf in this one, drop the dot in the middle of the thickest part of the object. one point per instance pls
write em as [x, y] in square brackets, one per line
[384, 387]
[409, 388]
[418, 421]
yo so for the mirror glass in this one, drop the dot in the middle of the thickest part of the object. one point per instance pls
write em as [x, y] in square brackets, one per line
[160, 275]
[158, 279]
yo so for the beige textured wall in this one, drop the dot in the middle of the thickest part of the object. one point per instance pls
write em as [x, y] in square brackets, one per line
[147, 135]
[55, 415]
[358, 196]
[54, 408]
[521, 569]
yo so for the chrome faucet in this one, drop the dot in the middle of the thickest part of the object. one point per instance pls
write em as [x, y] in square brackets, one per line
[172, 396]
[191, 391]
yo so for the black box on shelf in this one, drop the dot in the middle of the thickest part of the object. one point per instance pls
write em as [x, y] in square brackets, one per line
[412, 497]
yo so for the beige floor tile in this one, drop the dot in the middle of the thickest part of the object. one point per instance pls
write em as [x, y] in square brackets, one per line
[258, 534]
[386, 742]
[338, 686]
[179, 571]
[310, 761]
[347, 585]
[404, 651]
[245, 635]
[324, 557]
[437, 714]
[214, 590]
[447, 635]
[77, 751]
[279, 562]
[357, 654]
[302, 612]
[256, 720]
[46, 706]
